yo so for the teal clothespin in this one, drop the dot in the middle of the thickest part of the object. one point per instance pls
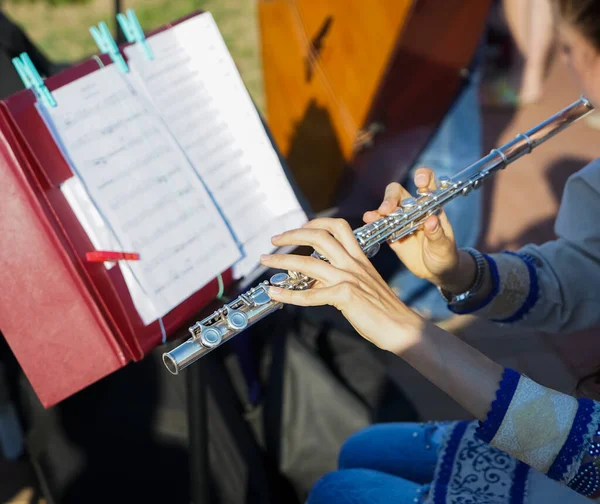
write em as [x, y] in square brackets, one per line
[107, 45]
[32, 79]
[133, 31]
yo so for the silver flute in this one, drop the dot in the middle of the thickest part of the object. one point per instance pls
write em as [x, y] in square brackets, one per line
[255, 304]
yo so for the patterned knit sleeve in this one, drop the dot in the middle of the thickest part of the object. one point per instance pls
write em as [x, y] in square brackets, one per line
[552, 287]
[552, 432]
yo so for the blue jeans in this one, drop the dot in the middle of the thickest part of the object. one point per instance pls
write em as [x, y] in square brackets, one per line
[383, 464]
[456, 145]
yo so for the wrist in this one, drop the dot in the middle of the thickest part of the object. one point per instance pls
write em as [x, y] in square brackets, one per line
[462, 277]
[405, 333]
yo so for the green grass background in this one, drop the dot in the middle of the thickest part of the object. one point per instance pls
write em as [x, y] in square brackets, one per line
[62, 30]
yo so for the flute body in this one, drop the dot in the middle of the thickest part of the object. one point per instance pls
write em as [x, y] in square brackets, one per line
[255, 304]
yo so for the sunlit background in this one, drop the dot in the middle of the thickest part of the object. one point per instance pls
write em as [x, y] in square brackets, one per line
[58, 27]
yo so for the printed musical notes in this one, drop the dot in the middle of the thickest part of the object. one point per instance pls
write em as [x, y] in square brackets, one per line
[194, 84]
[172, 161]
[143, 186]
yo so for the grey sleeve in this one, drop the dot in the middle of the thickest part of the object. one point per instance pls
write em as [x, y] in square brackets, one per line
[555, 286]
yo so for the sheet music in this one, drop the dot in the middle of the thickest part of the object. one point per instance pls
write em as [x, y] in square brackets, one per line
[195, 86]
[142, 184]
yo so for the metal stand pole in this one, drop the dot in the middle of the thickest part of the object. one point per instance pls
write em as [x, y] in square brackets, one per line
[197, 391]
[119, 37]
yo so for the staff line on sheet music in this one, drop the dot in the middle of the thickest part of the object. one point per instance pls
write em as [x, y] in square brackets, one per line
[215, 163]
[178, 76]
[217, 147]
[169, 252]
[168, 68]
[145, 135]
[169, 225]
[187, 269]
[188, 105]
[200, 116]
[240, 195]
[185, 125]
[91, 135]
[210, 134]
[244, 202]
[123, 198]
[147, 212]
[172, 84]
[175, 275]
[82, 113]
[210, 131]
[132, 168]
[243, 173]
[258, 197]
[198, 132]
[176, 91]
[183, 273]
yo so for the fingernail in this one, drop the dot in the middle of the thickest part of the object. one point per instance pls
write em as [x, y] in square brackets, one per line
[384, 206]
[275, 237]
[421, 179]
[265, 257]
[274, 290]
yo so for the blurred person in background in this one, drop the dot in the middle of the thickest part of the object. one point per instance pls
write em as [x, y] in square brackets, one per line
[531, 30]
[13, 42]
[532, 26]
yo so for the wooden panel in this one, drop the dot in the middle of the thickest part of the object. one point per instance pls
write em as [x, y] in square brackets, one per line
[333, 67]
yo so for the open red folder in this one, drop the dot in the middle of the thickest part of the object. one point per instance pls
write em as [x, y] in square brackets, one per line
[68, 321]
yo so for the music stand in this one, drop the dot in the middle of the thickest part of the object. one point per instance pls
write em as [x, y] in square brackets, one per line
[198, 379]
[119, 35]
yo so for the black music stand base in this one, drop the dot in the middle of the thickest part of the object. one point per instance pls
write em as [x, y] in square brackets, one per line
[197, 398]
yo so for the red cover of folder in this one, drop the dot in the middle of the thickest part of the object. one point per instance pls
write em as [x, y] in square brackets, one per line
[69, 322]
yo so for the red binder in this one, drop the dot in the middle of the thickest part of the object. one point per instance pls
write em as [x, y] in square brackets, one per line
[69, 322]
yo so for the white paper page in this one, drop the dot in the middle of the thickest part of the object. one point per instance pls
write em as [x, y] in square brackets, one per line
[103, 238]
[143, 186]
[196, 87]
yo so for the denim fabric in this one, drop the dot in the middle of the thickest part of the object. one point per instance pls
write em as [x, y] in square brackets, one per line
[384, 463]
[456, 145]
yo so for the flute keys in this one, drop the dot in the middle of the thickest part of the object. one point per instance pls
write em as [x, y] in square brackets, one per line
[408, 203]
[280, 280]
[237, 320]
[444, 182]
[195, 330]
[398, 214]
[260, 296]
[211, 337]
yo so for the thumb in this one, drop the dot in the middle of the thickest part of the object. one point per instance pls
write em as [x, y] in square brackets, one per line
[437, 242]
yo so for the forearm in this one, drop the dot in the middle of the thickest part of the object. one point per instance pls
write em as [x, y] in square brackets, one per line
[464, 373]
